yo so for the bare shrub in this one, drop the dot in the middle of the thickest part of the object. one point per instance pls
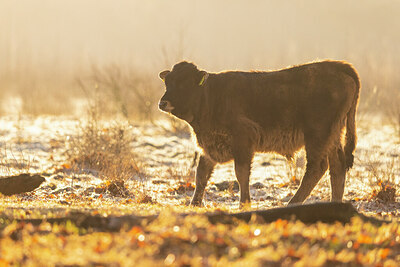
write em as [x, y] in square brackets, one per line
[393, 113]
[386, 193]
[181, 174]
[26, 90]
[383, 179]
[12, 163]
[380, 92]
[105, 148]
[125, 92]
[38, 100]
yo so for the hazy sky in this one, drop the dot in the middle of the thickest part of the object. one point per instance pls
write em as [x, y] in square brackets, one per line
[68, 36]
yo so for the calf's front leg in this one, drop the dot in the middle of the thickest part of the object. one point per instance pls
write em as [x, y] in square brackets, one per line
[203, 174]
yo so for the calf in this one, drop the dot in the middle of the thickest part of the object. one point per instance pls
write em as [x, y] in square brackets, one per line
[235, 114]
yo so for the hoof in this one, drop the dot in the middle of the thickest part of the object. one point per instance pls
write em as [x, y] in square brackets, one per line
[196, 203]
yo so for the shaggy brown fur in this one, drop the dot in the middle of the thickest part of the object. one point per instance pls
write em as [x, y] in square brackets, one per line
[235, 114]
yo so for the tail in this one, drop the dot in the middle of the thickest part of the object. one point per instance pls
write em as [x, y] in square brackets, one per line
[351, 135]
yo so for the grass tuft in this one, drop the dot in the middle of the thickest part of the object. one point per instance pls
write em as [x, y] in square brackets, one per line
[104, 148]
[386, 193]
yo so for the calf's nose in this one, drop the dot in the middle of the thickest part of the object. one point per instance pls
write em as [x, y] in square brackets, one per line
[163, 104]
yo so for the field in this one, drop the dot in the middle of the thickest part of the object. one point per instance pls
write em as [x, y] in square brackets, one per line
[154, 176]
[79, 92]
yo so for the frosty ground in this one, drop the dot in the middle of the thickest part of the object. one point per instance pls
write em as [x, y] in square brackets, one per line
[166, 161]
[161, 182]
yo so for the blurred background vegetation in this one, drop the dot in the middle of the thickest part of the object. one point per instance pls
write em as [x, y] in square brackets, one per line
[56, 55]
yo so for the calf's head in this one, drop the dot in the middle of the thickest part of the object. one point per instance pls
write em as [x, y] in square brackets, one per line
[184, 85]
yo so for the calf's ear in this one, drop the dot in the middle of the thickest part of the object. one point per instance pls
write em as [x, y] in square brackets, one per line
[204, 76]
[163, 74]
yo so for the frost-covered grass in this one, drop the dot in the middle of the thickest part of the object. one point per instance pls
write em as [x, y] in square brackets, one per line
[161, 181]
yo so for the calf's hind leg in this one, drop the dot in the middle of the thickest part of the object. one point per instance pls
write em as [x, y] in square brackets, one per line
[203, 174]
[317, 164]
[337, 172]
[314, 171]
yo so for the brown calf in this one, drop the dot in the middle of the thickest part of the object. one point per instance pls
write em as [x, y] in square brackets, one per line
[235, 114]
